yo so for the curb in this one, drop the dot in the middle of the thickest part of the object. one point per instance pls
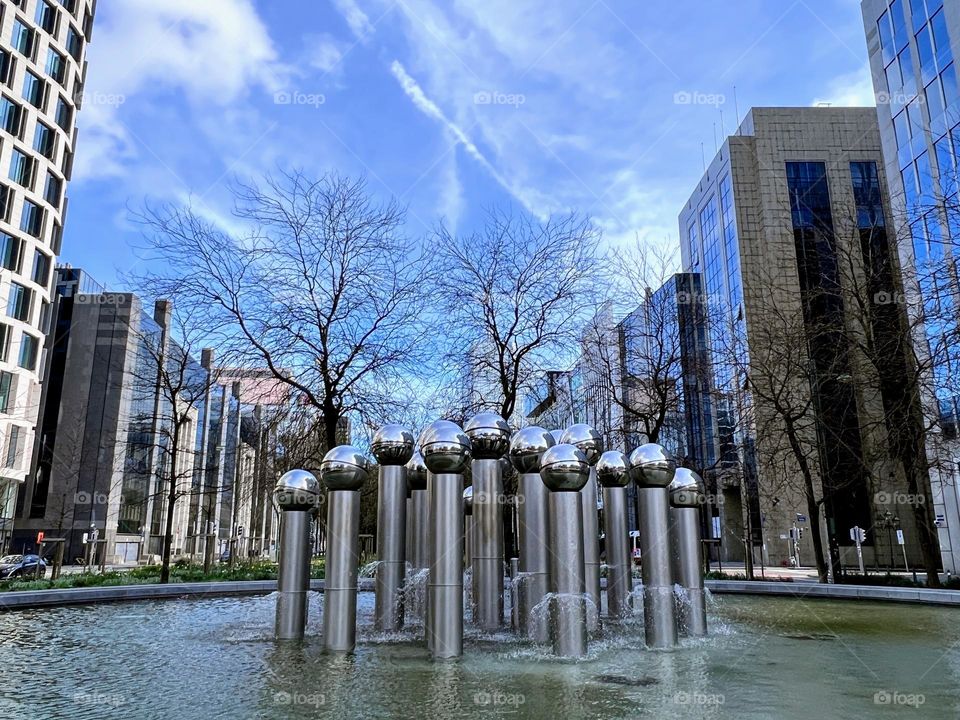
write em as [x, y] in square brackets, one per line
[835, 592]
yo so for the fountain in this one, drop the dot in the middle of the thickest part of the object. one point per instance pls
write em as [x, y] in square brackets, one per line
[686, 499]
[297, 494]
[612, 474]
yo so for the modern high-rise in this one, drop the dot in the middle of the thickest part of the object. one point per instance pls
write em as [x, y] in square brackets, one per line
[913, 47]
[787, 222]
[43, 46]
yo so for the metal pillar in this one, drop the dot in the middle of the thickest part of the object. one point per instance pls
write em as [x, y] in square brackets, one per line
[392, 446]
[446, 451]
[612, 474]
[686, 499]
[343, 470]
[297, 494]
[565, 471]
[653, 469]
[417, 521]
[489, 441]
[526, 448]
[590, 443]
[468, 530]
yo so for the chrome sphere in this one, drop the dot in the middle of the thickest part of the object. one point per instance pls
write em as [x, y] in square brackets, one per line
[613, 470]
[564, 468]
[445, 447]
[526, 447]
[489, 435]
[392, 445]
[588, 440]
[416, 472]
[556, 435]
[652, 466]
[344, 468]
[468, 500]
[297, 490]
[686, 490]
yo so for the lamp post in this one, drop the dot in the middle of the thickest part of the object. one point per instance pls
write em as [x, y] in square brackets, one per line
[611, 470]
[297, 494]
[526, 448]
[653, 468]
[590, 443]
[343, 470]
[392, 446]
[446, 452]
[565, 470]
[489, 441]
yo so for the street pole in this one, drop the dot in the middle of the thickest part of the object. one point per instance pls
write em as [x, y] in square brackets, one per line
[343, 470]
[392, 446]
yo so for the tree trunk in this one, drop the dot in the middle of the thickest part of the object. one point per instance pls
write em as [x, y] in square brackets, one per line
[813, 513]
[171, 504]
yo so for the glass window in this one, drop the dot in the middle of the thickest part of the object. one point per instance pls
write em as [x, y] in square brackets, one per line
[19, 302]
[886, 38]
[29, 349]
[41, 269]
[918, 14]
[894, 79]
[47, 17]
[934, 100]
[11, 116]
[6, 384]
[74, 43]
[45, 141]
[13, 447]
[6, 332]
[34, 90]
[53, 190]
[21, 168]
[56, 65]
[902, 127]
[947, 168]
[64, 115]
[6, 66]
[915, 116]
[950, 92]
[56, 238]
[6, 202]
[23, 38]
[31, 219]
[11, 252]
[911, 193]
[70, 5]
[925, 51]
[925, 177]
[900, 35]
[906, 70]
[941, 38]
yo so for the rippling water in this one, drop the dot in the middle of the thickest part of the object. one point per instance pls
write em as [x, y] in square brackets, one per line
[215, 658]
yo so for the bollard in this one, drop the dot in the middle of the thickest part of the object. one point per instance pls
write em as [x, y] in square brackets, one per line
[297, 494]
[590, 443]
[565, 470]
[652, 468]
[343, 470]
[526, 448]
[686, 499]
[392, 446]
[489, 441]
[446, 452]
[612, 475]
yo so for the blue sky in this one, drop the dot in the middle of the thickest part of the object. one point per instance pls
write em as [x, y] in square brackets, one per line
[451, 106]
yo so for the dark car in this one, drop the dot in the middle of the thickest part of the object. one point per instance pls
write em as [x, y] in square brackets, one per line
[12, 566]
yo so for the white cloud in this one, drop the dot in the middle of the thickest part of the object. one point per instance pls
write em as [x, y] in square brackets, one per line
[356, 18]
[324, 52]
[851, 90]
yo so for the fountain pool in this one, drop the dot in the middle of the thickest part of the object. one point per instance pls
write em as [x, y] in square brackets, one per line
[216, 658]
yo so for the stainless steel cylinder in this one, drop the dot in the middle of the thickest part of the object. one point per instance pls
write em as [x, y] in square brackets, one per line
[297, 495]
[344, 470]
[446, 451]
[653, 470]
[421, 530]
[514, 609]
[293, 575]
[613, 475]
[526, 448]
[564, 470]
[686, 499]
[487, 549]
[391, 552]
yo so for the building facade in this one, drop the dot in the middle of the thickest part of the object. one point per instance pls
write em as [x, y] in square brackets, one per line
[43, 48]
[781, 227]
[913, 47]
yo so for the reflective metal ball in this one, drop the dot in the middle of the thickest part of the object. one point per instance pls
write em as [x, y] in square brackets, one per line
[489, 435]
[416, 472]
[652, 466]
[344, 468]
[445, 447]
[686, 490]
[613, 470]
[526, 447]
[468, 500]
[584, 437]
[556, 435]
[297, 490]
[564, 468]
[392, 445]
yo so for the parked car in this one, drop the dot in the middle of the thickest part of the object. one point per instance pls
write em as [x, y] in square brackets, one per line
[12, 566]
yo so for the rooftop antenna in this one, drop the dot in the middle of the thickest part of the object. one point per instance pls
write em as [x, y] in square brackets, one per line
[715, 147]
[703, 157]
[723, 130]
[736, 108]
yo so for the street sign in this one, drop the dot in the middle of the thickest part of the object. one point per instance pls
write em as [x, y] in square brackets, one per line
[858, 535]
[716, 527]
[900, 537]
[634, 533]
[801, 518]
[85, 539]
